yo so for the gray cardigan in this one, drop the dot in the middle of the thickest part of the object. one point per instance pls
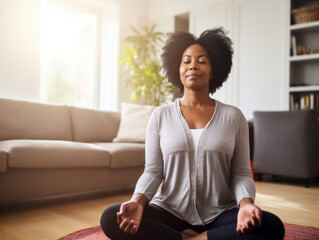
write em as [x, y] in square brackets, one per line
[197, 188]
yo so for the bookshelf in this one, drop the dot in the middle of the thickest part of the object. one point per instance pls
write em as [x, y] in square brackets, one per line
[303, 59]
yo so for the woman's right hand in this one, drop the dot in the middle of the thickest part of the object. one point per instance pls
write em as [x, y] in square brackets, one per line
[130, 215]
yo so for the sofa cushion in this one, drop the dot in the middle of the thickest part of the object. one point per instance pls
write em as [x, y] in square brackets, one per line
[125, 154]
[3, 161]
[53, 154]
[134, 120]
[94, 126]
[28, 120]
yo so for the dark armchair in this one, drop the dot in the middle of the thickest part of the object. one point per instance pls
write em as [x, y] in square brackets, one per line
[286, 143]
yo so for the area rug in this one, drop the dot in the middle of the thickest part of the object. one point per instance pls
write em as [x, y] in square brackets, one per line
[293, 232]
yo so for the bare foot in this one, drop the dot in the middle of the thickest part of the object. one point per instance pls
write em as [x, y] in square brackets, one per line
[188, 233]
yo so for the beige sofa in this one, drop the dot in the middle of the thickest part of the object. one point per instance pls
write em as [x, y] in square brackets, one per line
[50, 150]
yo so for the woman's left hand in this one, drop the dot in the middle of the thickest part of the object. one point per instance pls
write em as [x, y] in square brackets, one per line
[248, 218]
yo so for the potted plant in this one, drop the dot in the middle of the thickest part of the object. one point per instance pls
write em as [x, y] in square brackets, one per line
[141, 58]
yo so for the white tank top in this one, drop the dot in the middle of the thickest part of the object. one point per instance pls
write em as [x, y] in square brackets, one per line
[196, 135]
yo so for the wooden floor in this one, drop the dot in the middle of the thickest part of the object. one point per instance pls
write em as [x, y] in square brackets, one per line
[293, 203]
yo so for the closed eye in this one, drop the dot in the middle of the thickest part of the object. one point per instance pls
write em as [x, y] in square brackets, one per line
[202, 59]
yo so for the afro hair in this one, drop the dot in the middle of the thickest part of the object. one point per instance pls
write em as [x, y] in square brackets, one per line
[216, 43]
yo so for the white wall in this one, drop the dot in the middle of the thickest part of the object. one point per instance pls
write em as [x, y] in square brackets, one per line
[163, 8]
[19, 49]
[261, 46]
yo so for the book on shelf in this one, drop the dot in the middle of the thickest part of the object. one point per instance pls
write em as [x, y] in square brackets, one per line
[312, 101]
[305, 101]
[291, 102]
[294, 45]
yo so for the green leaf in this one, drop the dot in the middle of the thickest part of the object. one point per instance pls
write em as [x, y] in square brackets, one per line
[141, 57]
[133, 97]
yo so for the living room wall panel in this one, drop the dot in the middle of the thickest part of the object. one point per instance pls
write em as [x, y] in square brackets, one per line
[260, 39]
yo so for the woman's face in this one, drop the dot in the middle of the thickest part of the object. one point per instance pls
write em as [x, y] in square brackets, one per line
[195, 69]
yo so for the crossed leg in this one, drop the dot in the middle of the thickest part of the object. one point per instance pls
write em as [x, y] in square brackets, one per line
[158, 224]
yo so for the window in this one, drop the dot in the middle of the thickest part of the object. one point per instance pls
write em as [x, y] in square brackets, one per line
[69, 55]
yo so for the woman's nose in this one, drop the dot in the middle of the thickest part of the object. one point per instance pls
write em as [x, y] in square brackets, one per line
[193, 66]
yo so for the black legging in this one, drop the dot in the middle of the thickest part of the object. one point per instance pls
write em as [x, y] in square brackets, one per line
[158, 224]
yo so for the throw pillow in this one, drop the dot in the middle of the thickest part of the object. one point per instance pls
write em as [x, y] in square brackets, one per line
[134, 120]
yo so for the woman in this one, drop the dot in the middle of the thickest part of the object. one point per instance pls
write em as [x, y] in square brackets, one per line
[197, 182]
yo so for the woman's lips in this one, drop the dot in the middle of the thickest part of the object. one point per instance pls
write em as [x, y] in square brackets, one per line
[192, 76]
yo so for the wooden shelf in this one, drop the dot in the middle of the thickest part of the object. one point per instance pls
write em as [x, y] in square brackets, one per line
[314, 56]
[304, 88]
[305, 26]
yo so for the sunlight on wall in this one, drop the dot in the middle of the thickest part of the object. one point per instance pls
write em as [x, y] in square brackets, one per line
[68, 56]
[19, 49]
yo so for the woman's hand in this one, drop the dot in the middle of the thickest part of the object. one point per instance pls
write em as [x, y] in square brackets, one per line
[130, 214]
[249, 217]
